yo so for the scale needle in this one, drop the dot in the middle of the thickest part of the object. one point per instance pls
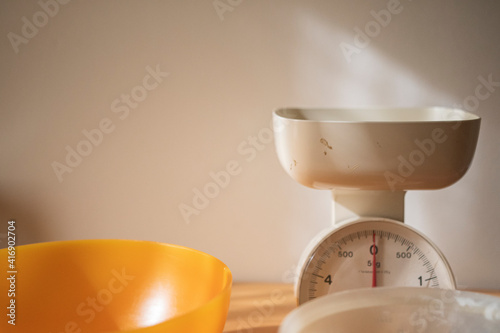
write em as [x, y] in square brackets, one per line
[374, 274]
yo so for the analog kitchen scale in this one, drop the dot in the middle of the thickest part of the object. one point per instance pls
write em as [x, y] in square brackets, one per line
[368, 158]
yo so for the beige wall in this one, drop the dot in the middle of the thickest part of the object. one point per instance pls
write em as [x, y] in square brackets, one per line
[203, 85]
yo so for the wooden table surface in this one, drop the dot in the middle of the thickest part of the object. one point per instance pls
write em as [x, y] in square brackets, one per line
[260, 307]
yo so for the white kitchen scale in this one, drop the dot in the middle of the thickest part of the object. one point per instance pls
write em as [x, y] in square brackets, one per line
[368, 158]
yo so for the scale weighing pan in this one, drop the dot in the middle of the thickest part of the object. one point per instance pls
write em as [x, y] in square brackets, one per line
[395, 149]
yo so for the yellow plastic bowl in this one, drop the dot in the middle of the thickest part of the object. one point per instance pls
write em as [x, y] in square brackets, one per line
[113, 286]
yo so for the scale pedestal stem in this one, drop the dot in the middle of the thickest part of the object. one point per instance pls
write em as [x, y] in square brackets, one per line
[349, 204]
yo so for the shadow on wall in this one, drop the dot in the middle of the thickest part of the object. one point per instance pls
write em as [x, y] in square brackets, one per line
[435, 42]
[27, 217]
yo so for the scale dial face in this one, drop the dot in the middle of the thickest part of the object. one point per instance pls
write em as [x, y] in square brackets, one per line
[371, 253]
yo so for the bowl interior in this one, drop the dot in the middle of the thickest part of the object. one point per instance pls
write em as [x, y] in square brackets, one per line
[117, 286]
[363, 115]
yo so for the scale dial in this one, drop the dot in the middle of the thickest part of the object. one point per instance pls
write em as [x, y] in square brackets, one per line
[344, 258]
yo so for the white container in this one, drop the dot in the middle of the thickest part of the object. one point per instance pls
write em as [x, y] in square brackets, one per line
[398, 310]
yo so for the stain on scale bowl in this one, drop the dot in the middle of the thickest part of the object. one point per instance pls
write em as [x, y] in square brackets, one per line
[115, 286]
